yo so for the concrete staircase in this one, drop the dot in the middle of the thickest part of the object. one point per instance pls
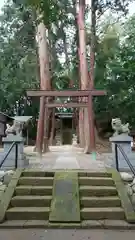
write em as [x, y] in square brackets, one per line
[100, 198]
[32, 197]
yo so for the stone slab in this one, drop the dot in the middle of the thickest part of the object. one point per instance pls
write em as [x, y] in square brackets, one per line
[65, 206]
[13, 138]
[121, 138]
[89, 224]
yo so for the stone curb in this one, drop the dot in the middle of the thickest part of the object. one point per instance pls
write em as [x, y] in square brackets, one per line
[85, 170]
[123, 195]
[105, 224]
[7, 195]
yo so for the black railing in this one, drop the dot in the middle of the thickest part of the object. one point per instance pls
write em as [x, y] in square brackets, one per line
[7, 154]
[118, 146]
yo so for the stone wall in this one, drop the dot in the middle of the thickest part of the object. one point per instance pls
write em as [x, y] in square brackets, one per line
[129, 182]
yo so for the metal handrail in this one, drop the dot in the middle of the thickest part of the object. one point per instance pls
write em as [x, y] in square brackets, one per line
[125, 157]
[16, 154]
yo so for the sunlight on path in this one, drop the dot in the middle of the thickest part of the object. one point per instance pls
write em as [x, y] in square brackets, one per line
[66, 157]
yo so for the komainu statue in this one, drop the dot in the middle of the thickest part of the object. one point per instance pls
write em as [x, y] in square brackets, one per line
[118, 127]
[15, 129]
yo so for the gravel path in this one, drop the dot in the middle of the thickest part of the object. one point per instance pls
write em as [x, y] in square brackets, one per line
[66, 235]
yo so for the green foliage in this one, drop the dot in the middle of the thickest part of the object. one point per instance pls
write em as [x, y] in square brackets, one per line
[18, 61]
[115, 5]
[115, 71]
[19, 69]
[49, 10]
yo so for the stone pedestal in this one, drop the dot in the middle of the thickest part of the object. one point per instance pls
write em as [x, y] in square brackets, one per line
[10, 160]
[74, 141]
[125, 141]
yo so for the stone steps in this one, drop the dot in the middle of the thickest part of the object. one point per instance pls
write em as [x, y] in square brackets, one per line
[32, 198]
[96, 181]
[113, 213]
[28, 213]
[37, 173]
[81, 173]
[36, 181]
[111, 201]
[98, 191]
[94, 174]
[84, 190]
[39, 201]
[41, 181]
[99, 197]
[33, 190]
[31, 201]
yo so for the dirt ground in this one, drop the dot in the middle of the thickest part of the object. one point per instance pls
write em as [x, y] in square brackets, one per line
[103, 146]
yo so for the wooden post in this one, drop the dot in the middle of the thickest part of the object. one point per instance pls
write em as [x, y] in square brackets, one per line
[27, 140]
[40, 126]
[61, 130]
[45, 135]
[91, 124]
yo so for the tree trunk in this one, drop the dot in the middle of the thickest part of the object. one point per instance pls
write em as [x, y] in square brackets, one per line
[84, 121]
[92, 64]
[93, 41]
[65, 49]
[76, 84]
[45, 83]
[52, 127]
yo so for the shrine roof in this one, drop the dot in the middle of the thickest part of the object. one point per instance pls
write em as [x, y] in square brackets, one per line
[4, 114]
[23, 119]
[64, 115]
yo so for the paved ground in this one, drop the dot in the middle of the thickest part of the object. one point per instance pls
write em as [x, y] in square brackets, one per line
[66, 235]
[68, 157]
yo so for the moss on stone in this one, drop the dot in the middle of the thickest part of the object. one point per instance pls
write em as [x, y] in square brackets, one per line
[65, 206]
[123, 195]
[7, 195]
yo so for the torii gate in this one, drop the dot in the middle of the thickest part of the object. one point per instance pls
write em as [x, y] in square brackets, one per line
[73, 93]
[80, 93]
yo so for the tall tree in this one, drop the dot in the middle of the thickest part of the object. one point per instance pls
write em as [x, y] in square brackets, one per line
[84, 121]
[44, 83]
